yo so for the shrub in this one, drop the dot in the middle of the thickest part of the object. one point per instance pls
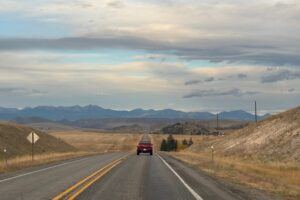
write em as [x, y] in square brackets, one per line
[190, 142]
[164, 146]
[168, 145]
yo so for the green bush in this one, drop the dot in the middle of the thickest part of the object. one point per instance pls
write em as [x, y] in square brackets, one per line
[163, 145]
[169, 145]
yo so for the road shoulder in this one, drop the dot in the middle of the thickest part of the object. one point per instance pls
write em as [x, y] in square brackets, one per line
[203, 182]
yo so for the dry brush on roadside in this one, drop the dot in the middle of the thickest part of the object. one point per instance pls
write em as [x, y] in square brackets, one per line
[279, 178]
[21, 162]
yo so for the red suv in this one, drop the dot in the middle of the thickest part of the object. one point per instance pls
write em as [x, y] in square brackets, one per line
[144, 147]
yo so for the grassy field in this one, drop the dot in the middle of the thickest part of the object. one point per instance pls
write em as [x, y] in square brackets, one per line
[21, 162]
[280, 178]
[99, 142]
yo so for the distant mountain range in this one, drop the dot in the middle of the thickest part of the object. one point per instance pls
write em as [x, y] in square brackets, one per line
[73, 113]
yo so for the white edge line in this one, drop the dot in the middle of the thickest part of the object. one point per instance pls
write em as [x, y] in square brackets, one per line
[44, 169]
[195, 194]
[40, 170]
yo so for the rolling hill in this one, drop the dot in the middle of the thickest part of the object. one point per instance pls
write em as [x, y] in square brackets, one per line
[13, 138]
[276, 138]
[208, 127]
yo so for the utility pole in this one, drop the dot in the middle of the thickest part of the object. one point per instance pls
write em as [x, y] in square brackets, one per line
[255, 112]
[217, 121]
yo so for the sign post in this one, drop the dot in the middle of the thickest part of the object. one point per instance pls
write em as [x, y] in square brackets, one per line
[32, 138]
[5, 156]
[212, 153]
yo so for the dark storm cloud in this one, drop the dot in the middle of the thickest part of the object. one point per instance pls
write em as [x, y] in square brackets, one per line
[215, 93]
[280, 76]
[242, 76]
[218, 50]
[11, 90]
[115, 4]
[291, 90]
[210, 79]
[192, 82]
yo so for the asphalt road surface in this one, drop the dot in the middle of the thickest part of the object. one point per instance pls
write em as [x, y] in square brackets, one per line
[34, 184]
[147, 177]
[145, 138]
[133, 177]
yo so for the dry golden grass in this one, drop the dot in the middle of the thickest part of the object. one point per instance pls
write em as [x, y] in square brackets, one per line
[276, 138]
[99, 142]
[281, 178]
[278, 178]
[21, 162]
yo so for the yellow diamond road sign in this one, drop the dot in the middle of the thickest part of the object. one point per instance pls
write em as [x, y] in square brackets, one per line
[33, 137]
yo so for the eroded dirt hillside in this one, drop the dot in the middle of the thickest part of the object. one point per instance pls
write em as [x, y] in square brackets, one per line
[275, 138]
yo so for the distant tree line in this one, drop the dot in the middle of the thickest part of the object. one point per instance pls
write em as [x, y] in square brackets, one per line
[171, 144]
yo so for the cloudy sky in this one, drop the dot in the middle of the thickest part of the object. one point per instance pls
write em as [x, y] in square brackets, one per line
[206, 55]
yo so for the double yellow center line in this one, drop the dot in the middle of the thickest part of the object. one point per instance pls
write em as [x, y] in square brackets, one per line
[75, 190]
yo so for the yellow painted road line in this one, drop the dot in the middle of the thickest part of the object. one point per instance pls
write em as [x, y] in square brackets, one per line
[75, 186]
[86, 179]
[92, 181]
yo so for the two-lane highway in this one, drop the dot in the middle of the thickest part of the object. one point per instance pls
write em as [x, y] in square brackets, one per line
[139, 177]
[136, 177]
[148, 177]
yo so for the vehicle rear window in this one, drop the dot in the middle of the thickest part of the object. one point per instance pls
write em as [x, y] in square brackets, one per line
[145, 143]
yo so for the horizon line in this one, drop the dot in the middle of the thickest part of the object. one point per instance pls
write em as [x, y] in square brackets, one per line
[261, 112]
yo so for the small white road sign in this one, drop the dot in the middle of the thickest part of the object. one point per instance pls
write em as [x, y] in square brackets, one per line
[33, 137]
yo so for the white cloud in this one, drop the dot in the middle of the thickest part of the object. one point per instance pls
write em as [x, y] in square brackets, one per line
[245, 37]
[234, 31]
